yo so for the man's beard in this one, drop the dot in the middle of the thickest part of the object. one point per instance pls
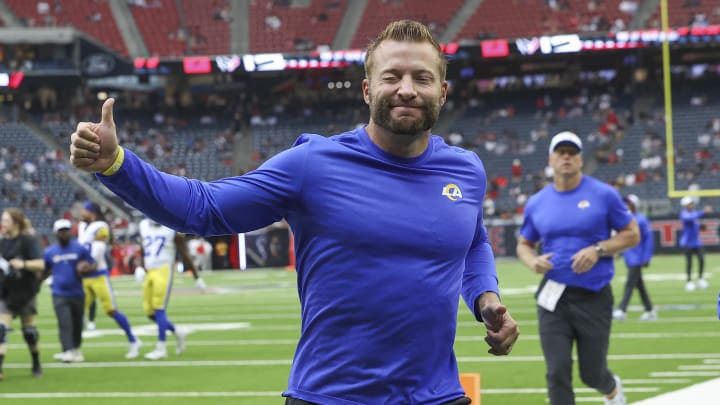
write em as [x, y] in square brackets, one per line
[380, 113]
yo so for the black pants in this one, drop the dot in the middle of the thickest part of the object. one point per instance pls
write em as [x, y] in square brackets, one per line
[295, 401]
[635, 280]
[69, 313]
[585, 317]
[689, 252]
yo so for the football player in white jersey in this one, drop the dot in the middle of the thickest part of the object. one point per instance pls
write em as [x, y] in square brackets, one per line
[160, 246]
[94, 234]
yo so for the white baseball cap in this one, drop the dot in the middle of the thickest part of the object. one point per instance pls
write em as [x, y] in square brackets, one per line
[633, 199]
[62, 224]
[687, 200]
[565, 138]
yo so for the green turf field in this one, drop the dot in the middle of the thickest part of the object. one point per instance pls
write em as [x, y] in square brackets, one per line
[244, 333]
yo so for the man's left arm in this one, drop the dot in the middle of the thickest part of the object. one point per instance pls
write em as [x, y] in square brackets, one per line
[625, 238]
[585, 258]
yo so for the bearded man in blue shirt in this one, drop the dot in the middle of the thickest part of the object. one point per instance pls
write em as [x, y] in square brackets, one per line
[388, 230]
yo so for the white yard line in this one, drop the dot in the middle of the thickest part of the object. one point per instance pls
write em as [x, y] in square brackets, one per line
[41, 395]
[700, 367]
[685, 374]
[705, 393]
[278, 362]
[36, 395]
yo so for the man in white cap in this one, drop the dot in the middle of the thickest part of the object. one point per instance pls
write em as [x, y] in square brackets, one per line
[573, 219]
[635, 259]
[67, 260]
[690, 241]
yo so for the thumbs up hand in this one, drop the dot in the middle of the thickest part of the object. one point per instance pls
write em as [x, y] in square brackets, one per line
[94, 146]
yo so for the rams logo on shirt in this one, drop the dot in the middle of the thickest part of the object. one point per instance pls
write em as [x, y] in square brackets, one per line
[584, 204]
[452, 192]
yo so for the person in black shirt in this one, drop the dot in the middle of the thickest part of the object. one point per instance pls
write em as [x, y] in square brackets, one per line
[21, 268]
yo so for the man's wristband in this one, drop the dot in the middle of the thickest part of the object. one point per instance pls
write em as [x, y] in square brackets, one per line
[599, 249]
[117, 164]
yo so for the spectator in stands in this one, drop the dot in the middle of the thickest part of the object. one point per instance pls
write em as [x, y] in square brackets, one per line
[361, 340]
[20, 267]
[95, 17]
[572, 220]
[635, 259]
[628, 6]
[222, 14]
[690, 241]
[273, 22]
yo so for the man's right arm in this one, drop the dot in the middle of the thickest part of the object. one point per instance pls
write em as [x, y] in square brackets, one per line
[237, 204]
[222, 207]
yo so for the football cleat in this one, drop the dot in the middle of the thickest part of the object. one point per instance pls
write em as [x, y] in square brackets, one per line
[157, 354]
[649, 316]
[180, 337]
[134, 349]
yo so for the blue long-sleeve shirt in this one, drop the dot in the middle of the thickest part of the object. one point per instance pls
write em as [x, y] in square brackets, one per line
[385, 246]
[642, 253]
[690, 236]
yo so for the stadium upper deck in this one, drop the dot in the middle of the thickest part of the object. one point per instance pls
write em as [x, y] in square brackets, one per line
[170, 28]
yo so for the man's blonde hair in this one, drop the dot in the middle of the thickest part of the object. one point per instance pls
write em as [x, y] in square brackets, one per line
[405, 31]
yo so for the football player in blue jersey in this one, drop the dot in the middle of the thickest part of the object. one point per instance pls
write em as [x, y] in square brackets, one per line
[572, 218]
[388, 227]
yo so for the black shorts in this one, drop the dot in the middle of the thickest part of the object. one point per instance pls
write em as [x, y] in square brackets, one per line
[15, 309]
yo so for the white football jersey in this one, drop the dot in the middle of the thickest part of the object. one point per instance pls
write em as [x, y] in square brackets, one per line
[88, 235]
[158, 244]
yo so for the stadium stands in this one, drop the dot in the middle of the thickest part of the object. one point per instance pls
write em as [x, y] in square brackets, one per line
[513, 19]
[689, 13]
[207, 25]
[281, 28]
[204, 28]
[92, 17]
[378, 13]
[166, 39]
[33, 178]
